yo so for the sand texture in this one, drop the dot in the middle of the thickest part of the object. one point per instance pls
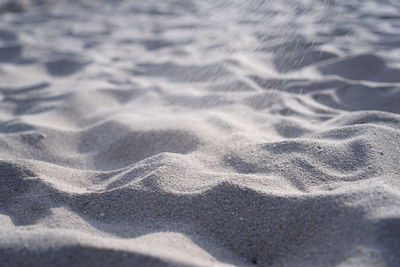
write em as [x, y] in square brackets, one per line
[200, 133]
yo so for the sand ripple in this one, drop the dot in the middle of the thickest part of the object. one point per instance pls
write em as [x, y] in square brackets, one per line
[186, 133]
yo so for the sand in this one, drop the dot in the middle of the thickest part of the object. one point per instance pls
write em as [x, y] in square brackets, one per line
[200, 133]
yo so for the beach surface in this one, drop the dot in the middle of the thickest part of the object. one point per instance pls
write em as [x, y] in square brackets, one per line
[200, 133]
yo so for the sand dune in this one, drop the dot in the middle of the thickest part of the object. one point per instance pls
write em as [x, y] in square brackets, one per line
[199, 133]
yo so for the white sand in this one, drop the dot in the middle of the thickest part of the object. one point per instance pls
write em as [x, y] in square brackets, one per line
[153, 133]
